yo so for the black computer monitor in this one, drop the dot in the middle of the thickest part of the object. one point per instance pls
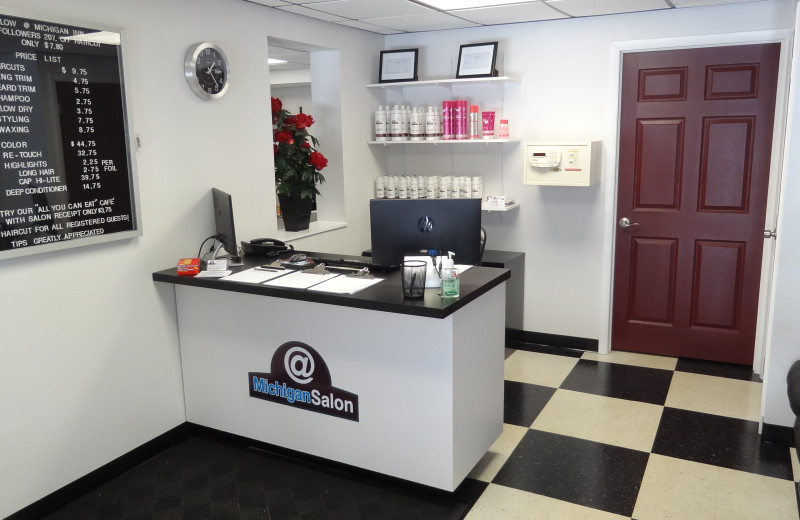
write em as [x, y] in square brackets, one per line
[401, 227]
[226, 232]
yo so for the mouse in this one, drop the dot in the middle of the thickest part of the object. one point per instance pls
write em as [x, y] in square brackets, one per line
[297, 257]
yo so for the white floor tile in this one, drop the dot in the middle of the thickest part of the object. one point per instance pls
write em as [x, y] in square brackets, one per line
[619, 422]
[679, 489]
[715, 395]
[538, 369]
[503, 503]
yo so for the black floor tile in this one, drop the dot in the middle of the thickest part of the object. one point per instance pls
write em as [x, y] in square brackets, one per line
[648, 385]
[575, 470]
[713, 368]
[524, 401]
[720, 441]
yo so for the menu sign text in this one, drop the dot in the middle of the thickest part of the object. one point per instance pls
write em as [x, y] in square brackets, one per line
[65, 165]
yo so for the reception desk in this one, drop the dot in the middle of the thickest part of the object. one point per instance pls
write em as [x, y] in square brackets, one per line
[408, 388]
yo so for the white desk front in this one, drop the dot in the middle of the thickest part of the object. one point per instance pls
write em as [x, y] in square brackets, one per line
[407, 395]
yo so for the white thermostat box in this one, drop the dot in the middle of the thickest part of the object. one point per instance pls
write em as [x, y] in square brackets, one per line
[562, 163]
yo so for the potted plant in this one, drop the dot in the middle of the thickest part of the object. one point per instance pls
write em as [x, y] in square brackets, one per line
[297, 165]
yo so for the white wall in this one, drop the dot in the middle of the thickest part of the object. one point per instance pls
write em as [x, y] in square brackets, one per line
[565, 74]
[89, 349]
[784, 339]
[293, 98]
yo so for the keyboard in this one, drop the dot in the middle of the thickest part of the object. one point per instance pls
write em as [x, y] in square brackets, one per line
[352, 262]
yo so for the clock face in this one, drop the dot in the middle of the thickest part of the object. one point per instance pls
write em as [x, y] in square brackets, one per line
[206, 70]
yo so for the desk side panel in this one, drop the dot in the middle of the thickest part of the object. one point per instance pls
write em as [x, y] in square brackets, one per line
[478, 355]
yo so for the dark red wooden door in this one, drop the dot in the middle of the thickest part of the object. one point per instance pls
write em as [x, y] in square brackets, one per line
[694, 157]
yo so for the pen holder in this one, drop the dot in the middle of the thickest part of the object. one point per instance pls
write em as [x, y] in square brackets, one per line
[413, 274]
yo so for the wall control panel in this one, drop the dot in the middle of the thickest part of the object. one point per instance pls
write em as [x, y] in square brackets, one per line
[562, 163]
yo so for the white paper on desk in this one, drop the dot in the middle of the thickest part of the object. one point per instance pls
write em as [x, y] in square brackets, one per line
[432, 274]
[255, 275]
[345, 284]
[300, 280]
[212, 274]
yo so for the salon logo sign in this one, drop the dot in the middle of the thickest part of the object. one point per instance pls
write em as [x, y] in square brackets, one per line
[300, 378]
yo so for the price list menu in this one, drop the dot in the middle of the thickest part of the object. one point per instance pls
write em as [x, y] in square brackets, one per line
[64, 155]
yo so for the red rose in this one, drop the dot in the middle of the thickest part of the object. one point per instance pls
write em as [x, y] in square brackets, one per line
[305, 144]
[284, 136]
[317, 160]
[303, 121]
[274, 149]
[277, 105]
[289, 121]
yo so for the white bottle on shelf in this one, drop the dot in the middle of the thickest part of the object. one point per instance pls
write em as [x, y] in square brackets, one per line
[402, 187]
[430, 124]
[477, 187]
[380, 124]
[391, 188]
[380, 188]
[395, 123]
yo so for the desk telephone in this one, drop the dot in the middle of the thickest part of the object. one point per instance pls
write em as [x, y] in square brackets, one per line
[265, 247]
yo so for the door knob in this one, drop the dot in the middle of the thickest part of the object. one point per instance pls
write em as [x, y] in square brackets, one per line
[624, 222]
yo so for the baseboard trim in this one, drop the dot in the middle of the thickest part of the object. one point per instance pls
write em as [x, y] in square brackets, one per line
[528, 340]
[76, 489]
[783, 435]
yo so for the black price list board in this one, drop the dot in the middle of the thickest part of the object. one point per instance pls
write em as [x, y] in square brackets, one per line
[66, 173]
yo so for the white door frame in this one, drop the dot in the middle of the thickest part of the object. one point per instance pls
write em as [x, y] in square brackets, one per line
[618, 49]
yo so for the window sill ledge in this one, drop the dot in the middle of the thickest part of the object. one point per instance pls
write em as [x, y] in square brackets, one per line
[314, 228]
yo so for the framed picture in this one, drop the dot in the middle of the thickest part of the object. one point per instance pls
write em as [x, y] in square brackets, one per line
[400, 65]
[477, 60]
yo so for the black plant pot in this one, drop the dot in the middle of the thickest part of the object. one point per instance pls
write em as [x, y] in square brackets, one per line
[296, 212]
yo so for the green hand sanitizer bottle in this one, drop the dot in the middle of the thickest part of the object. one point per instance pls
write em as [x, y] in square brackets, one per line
[450, 279]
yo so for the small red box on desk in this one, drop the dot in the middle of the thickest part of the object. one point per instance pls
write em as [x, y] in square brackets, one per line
[188, 266]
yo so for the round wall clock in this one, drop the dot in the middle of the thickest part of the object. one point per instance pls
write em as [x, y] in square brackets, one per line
[206, 70]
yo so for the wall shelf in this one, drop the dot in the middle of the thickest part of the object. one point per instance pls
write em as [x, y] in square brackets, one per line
[453, 141]
[400, 87]
[509, 207]
[443, 82]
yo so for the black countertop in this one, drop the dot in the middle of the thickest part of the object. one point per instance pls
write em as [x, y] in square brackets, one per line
[385, 296]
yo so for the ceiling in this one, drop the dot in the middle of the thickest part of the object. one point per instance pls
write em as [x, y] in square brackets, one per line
[293, 56]
[405, 16]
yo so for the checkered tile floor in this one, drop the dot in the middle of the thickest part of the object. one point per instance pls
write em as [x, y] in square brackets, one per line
[623, 436]
[632, 436]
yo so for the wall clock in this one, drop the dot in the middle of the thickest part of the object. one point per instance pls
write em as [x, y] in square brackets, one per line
[206, 70]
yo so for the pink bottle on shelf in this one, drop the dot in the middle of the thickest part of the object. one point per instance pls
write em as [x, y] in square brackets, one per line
[447, 120]
[461, 119]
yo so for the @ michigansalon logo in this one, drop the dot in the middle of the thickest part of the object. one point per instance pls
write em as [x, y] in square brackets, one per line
[425, 224]
[299, 365]
[300, 378]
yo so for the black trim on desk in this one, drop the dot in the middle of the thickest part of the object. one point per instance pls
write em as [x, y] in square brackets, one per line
[76, 489]
[386, 296]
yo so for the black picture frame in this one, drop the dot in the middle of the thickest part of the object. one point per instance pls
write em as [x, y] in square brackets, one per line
[477, 60]
[398, 65]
